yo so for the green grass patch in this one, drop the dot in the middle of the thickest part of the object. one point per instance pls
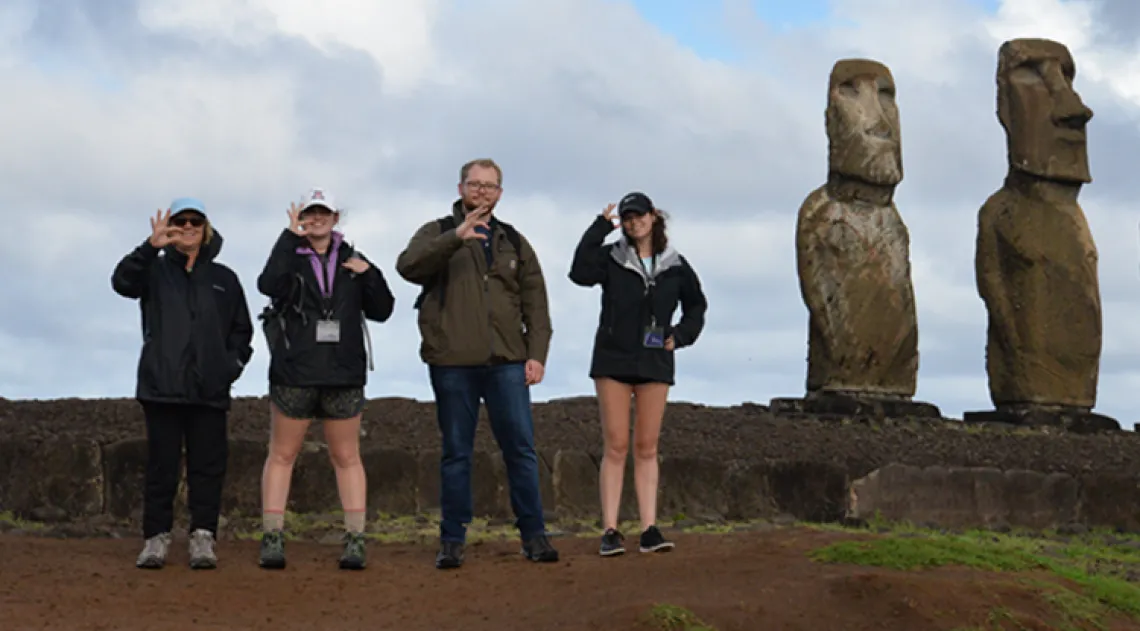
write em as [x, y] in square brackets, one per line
[9, 519]
[1098, 562]
[674, 618]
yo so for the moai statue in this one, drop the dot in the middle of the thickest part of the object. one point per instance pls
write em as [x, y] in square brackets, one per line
[1035, 259]
[853, 258]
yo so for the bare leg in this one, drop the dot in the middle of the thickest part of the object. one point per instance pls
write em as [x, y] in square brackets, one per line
[343, 437]
[613, 407]
[651, 398]
[286, 437]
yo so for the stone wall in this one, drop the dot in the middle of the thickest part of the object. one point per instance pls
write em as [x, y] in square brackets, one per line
[62, 478]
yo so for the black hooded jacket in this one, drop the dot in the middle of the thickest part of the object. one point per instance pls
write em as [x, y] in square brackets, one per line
[632, 299]
[297, 358]
[196, 325]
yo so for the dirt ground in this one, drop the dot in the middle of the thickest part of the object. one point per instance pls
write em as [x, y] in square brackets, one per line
[747, 581]
[741, 432]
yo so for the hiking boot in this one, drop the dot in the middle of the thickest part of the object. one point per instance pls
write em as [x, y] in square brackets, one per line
[272, 550]
[202, 555]
[153, 555]
[653, 541]
[450, 555]
[539, 550]
[353, 556]
[612, 543]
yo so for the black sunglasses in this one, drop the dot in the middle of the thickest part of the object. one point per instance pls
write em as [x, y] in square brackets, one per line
[197, 222]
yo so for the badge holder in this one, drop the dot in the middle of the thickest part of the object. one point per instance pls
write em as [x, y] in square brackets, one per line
[328, 330]
[654, 336]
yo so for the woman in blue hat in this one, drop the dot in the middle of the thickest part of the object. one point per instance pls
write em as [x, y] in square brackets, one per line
[643, 280]
[196, 342]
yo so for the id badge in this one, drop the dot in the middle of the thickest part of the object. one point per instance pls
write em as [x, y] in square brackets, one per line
[328, 331]
[654, 337]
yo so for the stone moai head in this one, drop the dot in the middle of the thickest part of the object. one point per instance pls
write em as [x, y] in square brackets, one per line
[1043, 117]
[863, 123]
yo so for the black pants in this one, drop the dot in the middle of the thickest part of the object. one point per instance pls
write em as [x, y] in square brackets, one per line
[207, 449]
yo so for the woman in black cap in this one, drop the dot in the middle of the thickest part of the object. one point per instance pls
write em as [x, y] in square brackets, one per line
[196, 343]
[643, 280]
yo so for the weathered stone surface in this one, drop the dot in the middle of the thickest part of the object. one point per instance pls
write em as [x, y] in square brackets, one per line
[1074, 420]
[124, 467]
[241, 494]
[749, 495]
[853, 249]
[692, 486]
[392, 475]
[965, 497]
[575, 484]
[1111, 501]
[486, 487]
[847, 405]
[55, 475]
[811, 491]
[1035, 257]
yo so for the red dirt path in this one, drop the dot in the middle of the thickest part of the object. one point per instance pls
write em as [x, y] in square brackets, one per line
[747, 581]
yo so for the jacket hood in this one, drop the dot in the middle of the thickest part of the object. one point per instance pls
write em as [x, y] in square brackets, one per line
[626, 256]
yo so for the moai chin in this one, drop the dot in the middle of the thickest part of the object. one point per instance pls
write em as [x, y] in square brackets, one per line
[853, 258]
[1035, 260]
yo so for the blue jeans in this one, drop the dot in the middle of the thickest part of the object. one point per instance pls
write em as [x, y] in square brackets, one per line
[458, 390]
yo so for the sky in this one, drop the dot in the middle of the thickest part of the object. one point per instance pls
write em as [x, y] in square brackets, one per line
[715, 109]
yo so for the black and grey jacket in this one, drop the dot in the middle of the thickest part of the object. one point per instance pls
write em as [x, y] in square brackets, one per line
[196, 326]
[635, 299]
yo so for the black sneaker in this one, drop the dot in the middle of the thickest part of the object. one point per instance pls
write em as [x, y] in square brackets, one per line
[272, 550]
[539, 550]
[353, 556]
[450, 555]
[612, 543]
[653, 541]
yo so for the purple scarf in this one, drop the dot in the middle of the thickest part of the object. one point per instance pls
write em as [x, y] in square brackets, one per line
[330, 266]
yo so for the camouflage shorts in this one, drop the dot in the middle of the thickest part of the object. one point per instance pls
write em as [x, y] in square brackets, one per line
[317, 403]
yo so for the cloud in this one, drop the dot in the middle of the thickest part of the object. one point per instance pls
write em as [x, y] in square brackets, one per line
[124, 105]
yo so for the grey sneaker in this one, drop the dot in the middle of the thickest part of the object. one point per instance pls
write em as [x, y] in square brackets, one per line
[202, 555]
[353, 557]
[153, 555]
[272, 550]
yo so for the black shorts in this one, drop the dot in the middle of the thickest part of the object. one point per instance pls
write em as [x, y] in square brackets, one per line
[324, 404]
[632, 381]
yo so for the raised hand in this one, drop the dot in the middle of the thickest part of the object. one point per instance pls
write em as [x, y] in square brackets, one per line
[161, 232]
[296, 224]
[356, 264]
[608, 213]
[477, 218]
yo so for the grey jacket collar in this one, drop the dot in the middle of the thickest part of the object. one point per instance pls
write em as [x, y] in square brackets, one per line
[626, 256]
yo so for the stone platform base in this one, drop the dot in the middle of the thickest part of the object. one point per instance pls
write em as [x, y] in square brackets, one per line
[848, 405]
[1073, 420]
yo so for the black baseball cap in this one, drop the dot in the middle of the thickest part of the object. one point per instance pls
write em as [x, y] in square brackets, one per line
[635, 203]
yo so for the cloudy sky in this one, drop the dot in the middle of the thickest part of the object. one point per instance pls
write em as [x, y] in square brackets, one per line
[715, 109]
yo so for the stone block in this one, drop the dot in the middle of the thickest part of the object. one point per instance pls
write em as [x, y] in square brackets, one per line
[1110, 501]
[811, 491]
[57, 475]
[692, 486]
[391, 481]
[748, 493]
[575, 483]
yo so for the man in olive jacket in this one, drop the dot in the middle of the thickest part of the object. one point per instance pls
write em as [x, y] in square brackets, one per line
[485, 329]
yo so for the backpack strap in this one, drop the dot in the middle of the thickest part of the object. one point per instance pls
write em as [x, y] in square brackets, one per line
[440, 281]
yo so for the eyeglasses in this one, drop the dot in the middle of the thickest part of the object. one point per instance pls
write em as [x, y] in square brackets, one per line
[482, 186]
[197, 222]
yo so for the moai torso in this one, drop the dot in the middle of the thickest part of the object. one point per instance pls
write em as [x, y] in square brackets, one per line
[854, 267]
